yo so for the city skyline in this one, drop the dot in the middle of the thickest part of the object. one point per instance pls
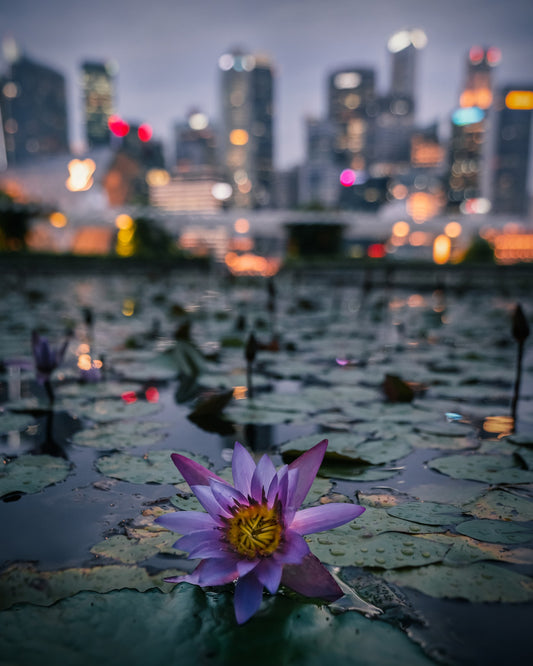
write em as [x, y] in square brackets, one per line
[168, 55]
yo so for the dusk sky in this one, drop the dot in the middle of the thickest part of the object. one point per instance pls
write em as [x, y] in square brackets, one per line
[167, 51]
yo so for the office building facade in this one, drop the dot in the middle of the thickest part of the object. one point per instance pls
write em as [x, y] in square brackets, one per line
[98, 93]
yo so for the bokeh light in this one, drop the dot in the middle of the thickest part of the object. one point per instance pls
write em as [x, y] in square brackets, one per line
[144, 132]
[57, 219]
[348, 177]
[242, 226]
[453, 229]
[238, 137]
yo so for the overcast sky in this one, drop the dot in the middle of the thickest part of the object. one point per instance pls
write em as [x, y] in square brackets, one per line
[167, 50]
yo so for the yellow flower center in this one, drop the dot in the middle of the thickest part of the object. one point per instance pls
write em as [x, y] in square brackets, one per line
[254, 530]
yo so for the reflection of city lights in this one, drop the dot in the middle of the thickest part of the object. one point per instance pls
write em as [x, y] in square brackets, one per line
[222, 191]
[83, 348]
[57, 219]
[242, 226]
[376, 251]
[152, 394]
[400, 229]
[418, 238]
[441, 249]
[128, 307]
[84, 362]
[238, 137]
[239, 392]
[80, 175]
[157, 177]
[251, 264]
[499, 425]
[416, 301]
[124, 221]
[129, 397]
[453, 229]
[144, 132]
[347, 177]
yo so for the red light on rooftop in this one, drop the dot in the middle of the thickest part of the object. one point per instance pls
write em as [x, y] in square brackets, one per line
[118, 126]
[144, 132]
[476, 54]
[494, 56]
[376, 251]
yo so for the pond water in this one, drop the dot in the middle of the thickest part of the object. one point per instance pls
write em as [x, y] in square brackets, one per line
[412, 386]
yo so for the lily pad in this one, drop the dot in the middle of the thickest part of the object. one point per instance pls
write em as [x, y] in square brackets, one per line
[500, 505]
[122, 435]
[24, 584]
[495, 531]
[249, 413]
[190, 626]
[98, 390]
[478, 582]
[390, 550]
[491, 469]
[521, 439]
[427, 513]
[129, 551]
[10, 422]
[30, 474]
[154, 467]
[106, 411]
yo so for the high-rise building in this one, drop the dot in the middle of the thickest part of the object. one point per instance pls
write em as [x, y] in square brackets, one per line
[34, 110]
[97, 86]
[247, 128]
[403, 47]
[468, 144]
[196, 146]
[318, 177]
[514, 107]
[351, 111]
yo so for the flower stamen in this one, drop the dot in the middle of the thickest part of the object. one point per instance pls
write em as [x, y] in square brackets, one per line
[254, 530]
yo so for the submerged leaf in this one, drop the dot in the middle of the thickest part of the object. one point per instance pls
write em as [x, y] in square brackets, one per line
[30, 474]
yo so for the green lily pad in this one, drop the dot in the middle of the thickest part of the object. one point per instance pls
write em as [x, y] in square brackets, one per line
[129, 551]
[389, 550]
[526, 455]
[348, 448]
[24, 584]
[154, 467]
[249, 413]
[10, 422]
[465, 550]
[30, 474]
[106, 411]
[191, 626]
[500, 505]
[491, 469]
[521, 439]
[97, 390]
[122, 435]
[427, 513]
[356, 472]
[444, 428]
[495, 531]
[478, 582]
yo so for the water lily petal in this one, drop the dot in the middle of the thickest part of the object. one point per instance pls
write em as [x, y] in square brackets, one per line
[245, 566]
[226, 496]
[194, 473]
[262, 477]
[208, 501]
[203, 539]
[243, 468]
[248, 597]
[268, 571]
[307, 465]
[311, 579]
[216, 572]
[272, 491]
[184, 522]
[324, 517]
[293, 550]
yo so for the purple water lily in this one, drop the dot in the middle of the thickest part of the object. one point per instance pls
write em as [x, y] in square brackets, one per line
[46, 358]
[252, 532]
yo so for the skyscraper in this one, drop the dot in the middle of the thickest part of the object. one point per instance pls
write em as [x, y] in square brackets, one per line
[97, 86]
[468, 145]
[514, 107]
[351, 110]
[34, 110]
[247, 129]
[403, 47]
[196, 146]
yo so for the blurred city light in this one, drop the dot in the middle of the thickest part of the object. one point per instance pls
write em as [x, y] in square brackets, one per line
[467, 116]
[453, 229]
[238, 137]
[57, 219]
[80, 175]
[157, 177]
[124, 221]
[222, 191]
[144, 133]
[401, 229]
[348, 177]
[441, 249]
[519, 100]
[242, 226]
[118, 126]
